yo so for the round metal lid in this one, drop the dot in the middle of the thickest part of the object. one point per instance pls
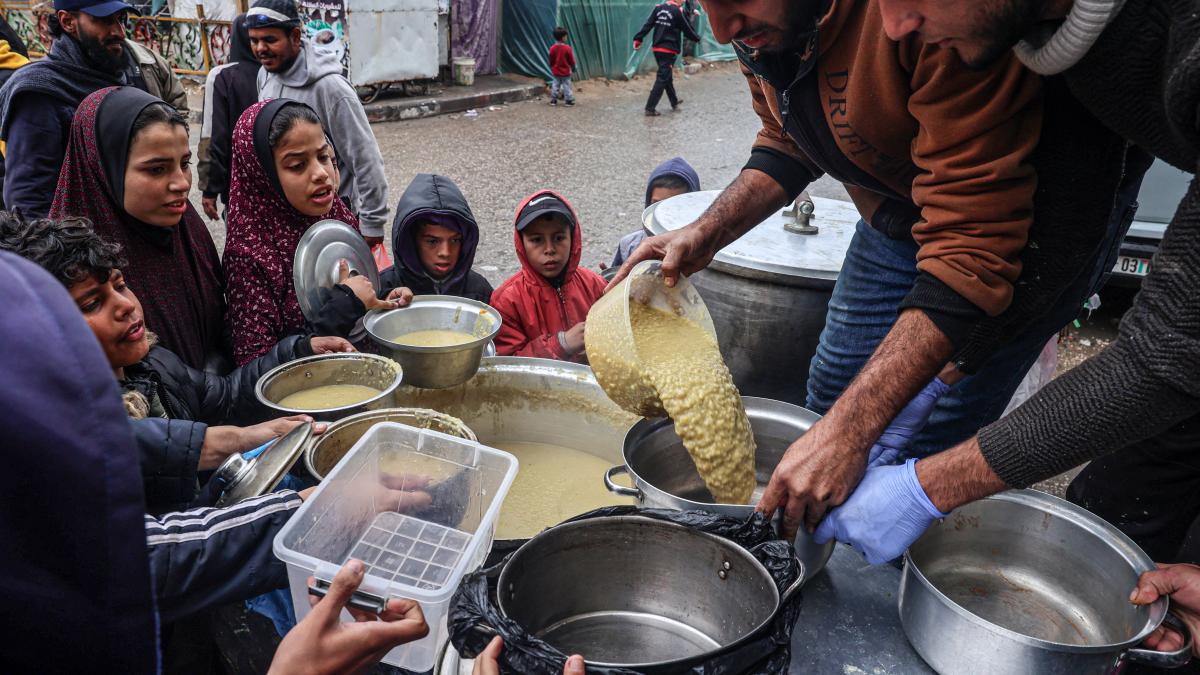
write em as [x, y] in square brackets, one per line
[320, 250]
[250, 475]
[774, 250]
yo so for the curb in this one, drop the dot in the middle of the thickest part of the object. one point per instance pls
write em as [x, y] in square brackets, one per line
[409, 109]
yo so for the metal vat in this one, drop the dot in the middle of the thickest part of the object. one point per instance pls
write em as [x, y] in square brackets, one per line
[768, 291]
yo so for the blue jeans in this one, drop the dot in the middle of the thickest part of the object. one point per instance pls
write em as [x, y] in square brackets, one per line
[876, 276]
[561, 88]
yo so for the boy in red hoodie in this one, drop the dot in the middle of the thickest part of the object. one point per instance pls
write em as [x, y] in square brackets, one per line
[544, 304]
[562, 62]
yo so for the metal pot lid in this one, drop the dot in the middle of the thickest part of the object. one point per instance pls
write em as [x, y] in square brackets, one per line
[780, 248]
[257, 472]
[315, 269]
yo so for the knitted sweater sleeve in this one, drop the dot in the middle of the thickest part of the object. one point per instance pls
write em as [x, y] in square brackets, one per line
[1142, 384]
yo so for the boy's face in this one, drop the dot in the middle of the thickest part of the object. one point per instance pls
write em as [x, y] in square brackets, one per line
[660, 193]
[547, 242]
[114, 314]
[438, 248]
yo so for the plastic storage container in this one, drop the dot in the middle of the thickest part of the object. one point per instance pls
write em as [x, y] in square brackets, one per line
[418, 507]
[611, 348]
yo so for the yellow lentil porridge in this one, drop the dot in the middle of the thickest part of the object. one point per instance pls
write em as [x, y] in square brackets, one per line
[434, 338]
[328, 396]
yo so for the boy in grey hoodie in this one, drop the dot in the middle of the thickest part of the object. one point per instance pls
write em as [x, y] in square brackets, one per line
[293, 69]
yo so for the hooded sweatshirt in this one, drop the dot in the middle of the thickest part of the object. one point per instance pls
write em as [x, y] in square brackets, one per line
[431, 197]
[676, 166]
[315, 78]
[535, 310]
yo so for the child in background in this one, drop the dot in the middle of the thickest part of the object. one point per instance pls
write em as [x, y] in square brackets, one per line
[673, 177]
[562, 62]
[545, 304]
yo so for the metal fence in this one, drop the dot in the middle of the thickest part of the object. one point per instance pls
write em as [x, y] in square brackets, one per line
[192, 46]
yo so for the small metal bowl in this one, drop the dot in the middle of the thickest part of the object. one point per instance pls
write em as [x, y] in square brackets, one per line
[326, 450]
[316, 371]
[436, 367]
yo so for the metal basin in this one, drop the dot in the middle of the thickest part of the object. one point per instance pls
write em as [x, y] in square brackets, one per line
[666, 477]
[436, 367]
[316, 371]
[639, 593]
[1023, 582]
[327, 450]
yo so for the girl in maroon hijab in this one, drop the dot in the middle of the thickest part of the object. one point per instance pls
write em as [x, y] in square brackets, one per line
[285, 179]
[127, 169]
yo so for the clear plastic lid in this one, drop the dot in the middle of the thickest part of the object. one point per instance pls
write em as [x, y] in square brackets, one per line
[414, 505]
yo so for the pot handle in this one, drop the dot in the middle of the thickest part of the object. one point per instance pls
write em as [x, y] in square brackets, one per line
[1157, 659]
[620, 489]
[795, 587]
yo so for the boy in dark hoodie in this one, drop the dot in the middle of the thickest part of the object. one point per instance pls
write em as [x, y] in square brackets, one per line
[544, 304]
[434, 237]
[673, 177]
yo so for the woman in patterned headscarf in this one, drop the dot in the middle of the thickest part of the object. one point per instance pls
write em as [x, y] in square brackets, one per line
[285, 179]
[127, 169]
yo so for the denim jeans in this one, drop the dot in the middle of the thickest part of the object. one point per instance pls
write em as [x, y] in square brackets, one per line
[877, 274]
[562, 85]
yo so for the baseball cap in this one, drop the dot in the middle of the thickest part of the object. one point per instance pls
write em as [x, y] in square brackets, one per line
[92, 8]
[542, 205]
[272, 14]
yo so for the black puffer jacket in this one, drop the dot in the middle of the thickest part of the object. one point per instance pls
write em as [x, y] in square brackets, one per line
[193, 399]
[427, 197]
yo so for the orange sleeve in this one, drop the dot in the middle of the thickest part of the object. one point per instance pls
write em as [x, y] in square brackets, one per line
[977, 134]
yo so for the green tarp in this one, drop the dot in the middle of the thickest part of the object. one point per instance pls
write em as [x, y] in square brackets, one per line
[601, 33]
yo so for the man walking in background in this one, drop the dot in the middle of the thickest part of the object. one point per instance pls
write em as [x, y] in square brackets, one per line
[669, 25]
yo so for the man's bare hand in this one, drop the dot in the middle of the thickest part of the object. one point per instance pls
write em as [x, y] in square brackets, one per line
[321, 643]
[210, 208]
[815, 475]
[682, 251]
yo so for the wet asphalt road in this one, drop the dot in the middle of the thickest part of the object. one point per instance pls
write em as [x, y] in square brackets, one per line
[597, 154]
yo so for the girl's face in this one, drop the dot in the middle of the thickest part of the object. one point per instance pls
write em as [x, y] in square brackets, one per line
[438, 248]
[114, 314]
[158, 175]
[305, 166]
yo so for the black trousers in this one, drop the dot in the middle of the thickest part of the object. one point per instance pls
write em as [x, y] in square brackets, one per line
[665, 81]
[1150, 491]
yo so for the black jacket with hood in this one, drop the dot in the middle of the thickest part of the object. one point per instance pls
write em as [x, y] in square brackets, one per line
[193, 399]
[668, 22]
[433, 195]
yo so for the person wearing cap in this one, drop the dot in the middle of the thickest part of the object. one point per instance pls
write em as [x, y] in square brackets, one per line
[545, 303]
[90, 52]
[294, 68]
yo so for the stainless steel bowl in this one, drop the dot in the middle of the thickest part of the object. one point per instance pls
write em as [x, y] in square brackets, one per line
[666, 477]
[1023, 582]
[327, 449]
[316, 371]
[633, 592]
[436, 367]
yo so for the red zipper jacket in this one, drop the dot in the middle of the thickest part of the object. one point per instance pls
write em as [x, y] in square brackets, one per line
[562, 59]
[534, 311]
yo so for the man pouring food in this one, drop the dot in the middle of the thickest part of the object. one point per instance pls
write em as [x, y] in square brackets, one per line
[990, 202]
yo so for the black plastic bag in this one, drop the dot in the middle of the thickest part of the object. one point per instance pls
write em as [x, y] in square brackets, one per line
[475, 617]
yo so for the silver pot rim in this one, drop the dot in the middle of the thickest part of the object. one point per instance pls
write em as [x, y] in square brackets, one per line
[265, 379]
[375, 316]
[746, 555]
[310, 450]
[1090, 523]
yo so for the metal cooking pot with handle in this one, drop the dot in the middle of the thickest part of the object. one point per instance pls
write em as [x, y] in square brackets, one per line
[665, 476]
[1023, 582]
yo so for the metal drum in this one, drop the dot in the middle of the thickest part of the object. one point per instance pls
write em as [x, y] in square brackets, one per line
[768, 291]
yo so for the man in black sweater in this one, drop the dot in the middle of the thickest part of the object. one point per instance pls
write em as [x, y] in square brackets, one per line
[668, 22]
[1134, 66]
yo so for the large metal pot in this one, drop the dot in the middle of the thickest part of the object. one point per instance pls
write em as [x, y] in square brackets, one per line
[436, 367]
[639, 593]
[327, 450]
[1023, 582]
[666, 477]
[315, 371]
[767, 292]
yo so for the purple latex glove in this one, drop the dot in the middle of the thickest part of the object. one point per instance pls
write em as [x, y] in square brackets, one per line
[886, 513]
[896, 438]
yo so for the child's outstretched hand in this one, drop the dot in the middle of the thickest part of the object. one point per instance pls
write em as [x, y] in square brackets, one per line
[362, 288]
[401, 296]
[573, 339]
[330, 344]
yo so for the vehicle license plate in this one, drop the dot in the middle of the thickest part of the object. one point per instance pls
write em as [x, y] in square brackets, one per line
[1136, 266]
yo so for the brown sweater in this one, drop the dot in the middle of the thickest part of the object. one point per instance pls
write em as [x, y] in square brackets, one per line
[921, 142]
